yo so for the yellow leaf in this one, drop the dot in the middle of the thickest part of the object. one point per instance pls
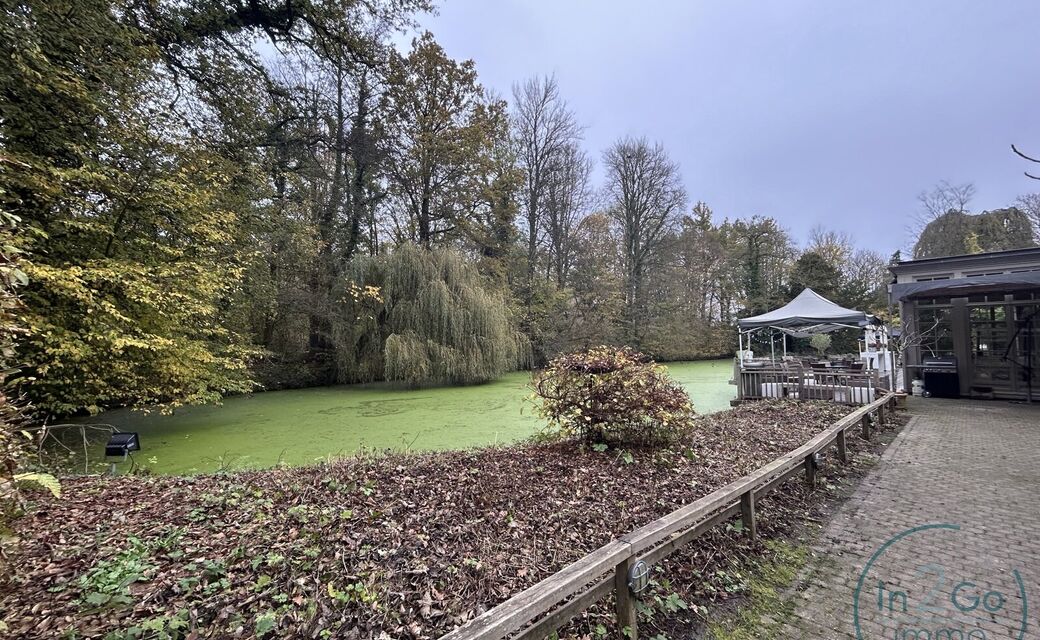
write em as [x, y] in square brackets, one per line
[45, 480]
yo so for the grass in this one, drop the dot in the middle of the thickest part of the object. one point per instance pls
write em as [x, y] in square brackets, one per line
[766, 609]
[304, 425]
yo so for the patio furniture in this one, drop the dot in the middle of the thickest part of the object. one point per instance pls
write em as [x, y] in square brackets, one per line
[808, 314]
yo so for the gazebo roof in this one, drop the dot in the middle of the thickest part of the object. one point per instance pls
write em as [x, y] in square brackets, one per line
[808, 312]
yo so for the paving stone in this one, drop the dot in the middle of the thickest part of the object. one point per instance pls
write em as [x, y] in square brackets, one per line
[948, 527]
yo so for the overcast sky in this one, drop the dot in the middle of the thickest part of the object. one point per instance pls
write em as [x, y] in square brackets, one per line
[833, 113]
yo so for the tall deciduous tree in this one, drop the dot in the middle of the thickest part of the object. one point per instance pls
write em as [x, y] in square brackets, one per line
[597, 281]
[434, 139]
[866, 277]
[834, 247]
[762, 253]
[544, 129]
[568, 196]
[489, 228]
[129, 223]
[690, 294]
[646, 196]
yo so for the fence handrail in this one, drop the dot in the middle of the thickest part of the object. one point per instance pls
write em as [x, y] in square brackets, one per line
[584, 577]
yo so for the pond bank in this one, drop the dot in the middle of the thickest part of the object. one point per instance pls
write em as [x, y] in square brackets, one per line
[301, 426]
[430, 538]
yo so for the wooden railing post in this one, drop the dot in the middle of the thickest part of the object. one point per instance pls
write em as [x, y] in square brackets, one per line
[843, 450]
[810, 470]
[747, 513]
[865, 423]
[738, 377]
[881, 415]
[625, 601]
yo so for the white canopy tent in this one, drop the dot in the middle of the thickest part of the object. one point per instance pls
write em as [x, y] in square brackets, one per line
[809, 313]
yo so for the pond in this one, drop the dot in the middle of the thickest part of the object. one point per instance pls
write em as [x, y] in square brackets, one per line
[302, 426]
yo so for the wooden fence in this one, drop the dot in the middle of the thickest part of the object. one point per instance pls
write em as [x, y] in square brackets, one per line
[796, 382]
[545, 607]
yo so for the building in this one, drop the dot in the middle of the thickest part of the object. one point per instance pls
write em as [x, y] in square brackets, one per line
[971, 323]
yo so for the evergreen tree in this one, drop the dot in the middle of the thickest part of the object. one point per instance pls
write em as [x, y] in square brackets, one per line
[957, 232]
[812, 271]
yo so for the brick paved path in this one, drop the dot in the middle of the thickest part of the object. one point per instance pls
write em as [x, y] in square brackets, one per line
[973, 469]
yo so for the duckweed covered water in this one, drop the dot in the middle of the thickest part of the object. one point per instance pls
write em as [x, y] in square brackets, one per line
[302, 426]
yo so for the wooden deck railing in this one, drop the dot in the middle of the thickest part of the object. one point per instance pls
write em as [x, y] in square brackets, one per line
[545, 607]
[796, 382]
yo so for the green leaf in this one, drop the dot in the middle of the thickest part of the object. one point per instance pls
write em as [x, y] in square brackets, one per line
[97, 598]
[264, 623]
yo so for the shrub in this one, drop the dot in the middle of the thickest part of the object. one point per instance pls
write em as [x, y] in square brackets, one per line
[821, 342]
[612, 395]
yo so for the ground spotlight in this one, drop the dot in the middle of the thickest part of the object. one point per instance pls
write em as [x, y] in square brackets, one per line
[120, 445]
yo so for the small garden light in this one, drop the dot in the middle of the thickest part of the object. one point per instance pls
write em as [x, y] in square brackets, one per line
[120, 445]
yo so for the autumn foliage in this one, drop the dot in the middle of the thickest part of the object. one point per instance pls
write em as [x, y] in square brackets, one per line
[391, 546]
[612, 395]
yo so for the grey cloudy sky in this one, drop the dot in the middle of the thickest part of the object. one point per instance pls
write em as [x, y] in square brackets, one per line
[825, 112]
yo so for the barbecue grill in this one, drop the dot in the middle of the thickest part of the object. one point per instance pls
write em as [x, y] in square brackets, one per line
[941, 379]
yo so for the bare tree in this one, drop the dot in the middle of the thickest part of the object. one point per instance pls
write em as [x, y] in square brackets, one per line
[645, 197]
[1030, 205]
[835, 247]
[942, 199]
[568, 195]
[909, 338]
[866, 277]
[945, 197]
[543, 127]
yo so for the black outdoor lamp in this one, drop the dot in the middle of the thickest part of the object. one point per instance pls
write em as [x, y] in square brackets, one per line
[120, 445]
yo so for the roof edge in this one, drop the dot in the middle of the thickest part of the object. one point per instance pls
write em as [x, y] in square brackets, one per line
[970, 257]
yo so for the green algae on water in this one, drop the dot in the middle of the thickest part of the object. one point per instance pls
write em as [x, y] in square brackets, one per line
[303, 426]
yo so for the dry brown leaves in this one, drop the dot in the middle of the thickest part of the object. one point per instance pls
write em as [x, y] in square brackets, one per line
[367, 547]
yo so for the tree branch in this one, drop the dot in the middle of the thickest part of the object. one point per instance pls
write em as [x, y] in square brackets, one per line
[1015, 149]
[1029, 158]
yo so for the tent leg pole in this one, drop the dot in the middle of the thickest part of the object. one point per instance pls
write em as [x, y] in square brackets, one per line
[772, 347]
[740, 347]
[785, 344]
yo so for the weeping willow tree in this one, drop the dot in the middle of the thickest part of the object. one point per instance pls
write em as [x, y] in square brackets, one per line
[425, 317]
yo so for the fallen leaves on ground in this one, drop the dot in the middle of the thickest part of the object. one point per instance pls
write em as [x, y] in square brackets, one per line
[396, 545]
